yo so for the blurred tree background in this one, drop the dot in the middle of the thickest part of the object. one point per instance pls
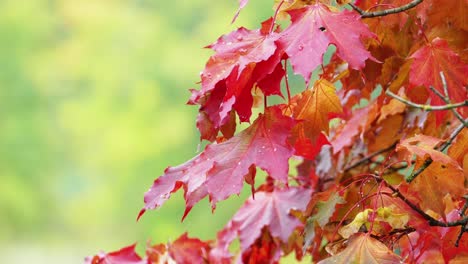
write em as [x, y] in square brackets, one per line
[92, 110]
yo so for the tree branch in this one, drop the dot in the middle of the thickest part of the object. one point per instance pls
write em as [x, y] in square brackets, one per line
[365, 14]
[465, 206]
[446, 98]
[369, 157]
[430, 220]
[448, 106]
[442, 147]
[462, 230]
[452, 136]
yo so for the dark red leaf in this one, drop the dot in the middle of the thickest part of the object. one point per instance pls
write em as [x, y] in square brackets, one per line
[243, 58]
[432, 59]
[305, 148]
[125, 255]
[189, 250]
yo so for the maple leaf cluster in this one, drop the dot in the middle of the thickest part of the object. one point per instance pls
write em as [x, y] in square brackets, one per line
[381, 138]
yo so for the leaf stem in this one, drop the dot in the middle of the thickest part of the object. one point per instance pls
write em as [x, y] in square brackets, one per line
[365, 14]
[274, 17]
[286, 79]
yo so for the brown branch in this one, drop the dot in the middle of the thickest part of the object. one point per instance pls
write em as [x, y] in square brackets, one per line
[397, 168]
[463, 228]
[437, 93]
[404, 231]
[448, 106]
[462, 231]
[369, 157]
[365, 14]
[452, 136]
[430, 220]
[465, 206]
[400, 231]
[428, 161]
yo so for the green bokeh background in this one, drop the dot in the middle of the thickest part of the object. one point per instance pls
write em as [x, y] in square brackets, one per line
[92, 109]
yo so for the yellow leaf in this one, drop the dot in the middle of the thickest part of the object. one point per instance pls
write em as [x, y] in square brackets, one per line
[384, 214]
[353, 227]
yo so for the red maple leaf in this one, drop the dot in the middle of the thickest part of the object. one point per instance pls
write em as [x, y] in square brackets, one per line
[243, 57]
[125, 255]
[306, 149]
[188, 250]
[314, 28]
[268, 209]
[219, 171]
[264, 250]
[432, 59]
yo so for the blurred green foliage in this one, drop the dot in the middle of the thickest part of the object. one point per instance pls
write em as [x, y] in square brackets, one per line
[92, 109]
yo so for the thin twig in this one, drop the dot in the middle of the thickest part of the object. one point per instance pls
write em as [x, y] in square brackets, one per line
[444, 85]
[446, 98]
[448, 106]
[397, 168]
[452, 136]
[416, 173]
[463, 227]
[462, 230]
[430, 220]
[286, 80]
[465, 206]
[401, 232]
[369, 157]
[442, 147]
[357, 9]
[400, 9]
[464, 123]
[437, 93]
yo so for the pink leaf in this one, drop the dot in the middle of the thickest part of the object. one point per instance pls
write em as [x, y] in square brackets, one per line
[268, 209]
[314, 28]
[219, 171]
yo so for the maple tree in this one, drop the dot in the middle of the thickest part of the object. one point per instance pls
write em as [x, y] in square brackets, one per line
[381, 138]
